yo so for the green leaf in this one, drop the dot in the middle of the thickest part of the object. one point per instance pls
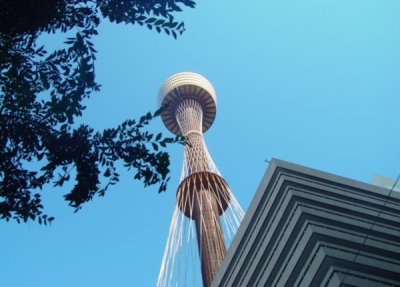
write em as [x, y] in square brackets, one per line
[150, 20]
[149, 116]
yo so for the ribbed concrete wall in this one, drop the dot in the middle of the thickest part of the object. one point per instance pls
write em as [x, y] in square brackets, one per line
[309, 228]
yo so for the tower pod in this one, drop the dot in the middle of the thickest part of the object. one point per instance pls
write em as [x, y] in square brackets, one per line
[187, 85]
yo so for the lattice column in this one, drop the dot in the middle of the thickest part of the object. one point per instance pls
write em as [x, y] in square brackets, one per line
[189, 115]
[205, 202]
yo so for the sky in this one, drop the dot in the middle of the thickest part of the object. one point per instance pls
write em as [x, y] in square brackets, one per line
[312, 82]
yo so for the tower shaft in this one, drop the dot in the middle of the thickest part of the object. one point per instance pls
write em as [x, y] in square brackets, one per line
[210, 239]
[189, 115]
[201, 199]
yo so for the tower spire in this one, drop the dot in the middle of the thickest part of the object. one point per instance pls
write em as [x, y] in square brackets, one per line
[203, 195]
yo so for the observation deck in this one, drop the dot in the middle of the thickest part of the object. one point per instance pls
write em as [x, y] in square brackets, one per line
[187, 85]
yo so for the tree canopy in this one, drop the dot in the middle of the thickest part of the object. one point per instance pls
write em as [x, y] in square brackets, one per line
[42, 93]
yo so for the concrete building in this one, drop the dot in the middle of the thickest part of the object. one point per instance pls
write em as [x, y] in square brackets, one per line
[309, 228]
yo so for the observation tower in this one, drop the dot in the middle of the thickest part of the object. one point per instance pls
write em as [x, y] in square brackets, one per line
[203, 196]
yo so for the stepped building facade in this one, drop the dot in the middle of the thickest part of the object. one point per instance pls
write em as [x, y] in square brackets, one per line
[309, 228]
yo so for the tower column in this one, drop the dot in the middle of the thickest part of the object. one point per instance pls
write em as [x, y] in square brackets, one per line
[205, 209]
[210, 239]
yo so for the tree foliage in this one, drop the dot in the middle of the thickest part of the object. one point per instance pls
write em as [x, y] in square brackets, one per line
[42, 94]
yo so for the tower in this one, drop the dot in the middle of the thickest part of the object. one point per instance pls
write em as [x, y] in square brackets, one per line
[189, 102]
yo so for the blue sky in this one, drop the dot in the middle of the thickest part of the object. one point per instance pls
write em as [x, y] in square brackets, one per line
[311, 82]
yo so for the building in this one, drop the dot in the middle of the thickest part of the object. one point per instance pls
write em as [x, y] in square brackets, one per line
[309, 228]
